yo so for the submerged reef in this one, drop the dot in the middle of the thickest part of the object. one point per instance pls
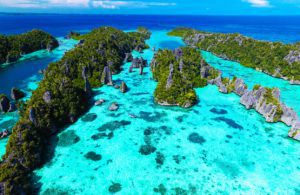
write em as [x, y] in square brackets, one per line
[264, 100]
[13, 47]
[60, 99]
[274, 58]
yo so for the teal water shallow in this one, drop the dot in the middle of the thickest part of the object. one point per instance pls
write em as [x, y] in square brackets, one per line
[290, 94]
[215, 147]
[18, 75]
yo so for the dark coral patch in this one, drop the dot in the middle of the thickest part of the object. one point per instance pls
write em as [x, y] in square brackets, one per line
[166, 129]
[114, 188]
[67, 138]
[229, 122]
[218, 111]
[58, 191]
[102, 136]
[196, 138]
[147, 149]
[151, 117]
[180, 118]
[180, 191]
[89, 117]
[93, 156]
[148, 131]
[229, 136]
[114, 125]
[160, 158]
[160, 189]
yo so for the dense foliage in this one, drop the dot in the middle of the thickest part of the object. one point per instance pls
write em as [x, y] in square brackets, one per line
[177, 73]
[13, 47]
[274, 58]
[60, 98]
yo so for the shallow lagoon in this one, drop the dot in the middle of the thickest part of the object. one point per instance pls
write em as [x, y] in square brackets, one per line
[24, 75]
[216, 146]
[290, 94]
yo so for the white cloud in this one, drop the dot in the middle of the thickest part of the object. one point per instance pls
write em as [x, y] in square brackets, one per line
[259, 3]
[136, 4]
[69, 3]
[106, 4]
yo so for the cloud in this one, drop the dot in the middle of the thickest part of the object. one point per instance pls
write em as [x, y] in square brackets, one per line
[106, 4]
[259, 3]
[131, 4]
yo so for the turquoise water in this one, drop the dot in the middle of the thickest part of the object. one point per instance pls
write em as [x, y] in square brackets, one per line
[24, 75]
[215, 147]
[290, 94]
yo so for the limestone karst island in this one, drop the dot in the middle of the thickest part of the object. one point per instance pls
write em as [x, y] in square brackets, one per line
[165, 97]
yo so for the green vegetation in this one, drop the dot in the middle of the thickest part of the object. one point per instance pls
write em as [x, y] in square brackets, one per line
[13, 47]
[181, 32]
[66, 100]
[274, 58]
[271, 99]
[177, 74]
[256, 87]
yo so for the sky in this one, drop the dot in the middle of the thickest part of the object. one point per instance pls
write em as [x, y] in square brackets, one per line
[169, 7]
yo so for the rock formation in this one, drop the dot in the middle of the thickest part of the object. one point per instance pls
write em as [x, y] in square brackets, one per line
[128, 57]
[265, 101]
[51, 45]
[137, 62]
[123, 87]
[12, 107]
[4, 103]
[47, 97]
[32, 116]
[170, 77]
[295, 131]
[87, 88]
[106, 77]
[16, 94]
[99, 102]
[141, 70]
[113, 107]
[292, 57]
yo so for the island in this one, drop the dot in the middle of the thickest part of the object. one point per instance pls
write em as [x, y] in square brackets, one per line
[178, 72]
[13, 47]
[62, 96]
[273, 58]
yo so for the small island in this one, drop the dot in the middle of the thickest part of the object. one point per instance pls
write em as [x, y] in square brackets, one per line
[13, 47]
[178, 72]
[62, 96]
[273, 58]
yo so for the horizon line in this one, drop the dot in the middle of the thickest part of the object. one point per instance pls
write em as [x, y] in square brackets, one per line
[116, 14]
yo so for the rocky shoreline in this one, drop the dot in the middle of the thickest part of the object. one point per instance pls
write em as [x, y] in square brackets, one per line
[278, 60]
[265, 101]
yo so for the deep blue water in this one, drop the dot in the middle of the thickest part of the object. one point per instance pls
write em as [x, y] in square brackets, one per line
[275, 28]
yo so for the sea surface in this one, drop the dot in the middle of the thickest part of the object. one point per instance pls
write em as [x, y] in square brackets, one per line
[215, 147]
